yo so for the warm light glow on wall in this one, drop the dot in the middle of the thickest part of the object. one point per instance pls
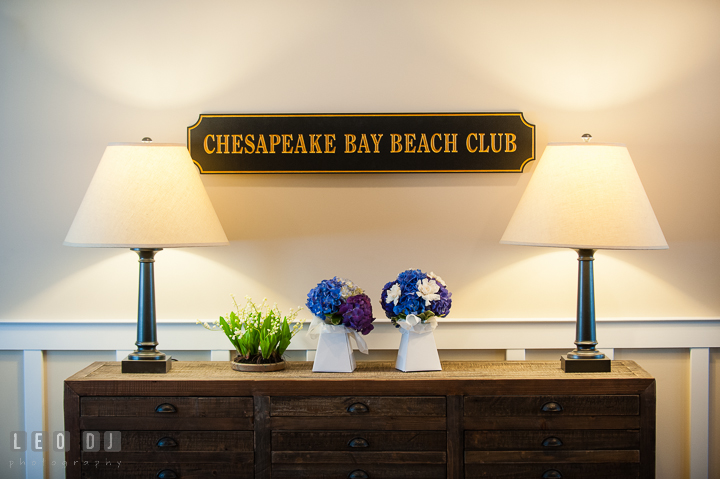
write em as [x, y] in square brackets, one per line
[158, 54]
[582, 55]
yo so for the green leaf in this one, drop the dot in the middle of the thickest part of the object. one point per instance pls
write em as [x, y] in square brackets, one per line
[285, 337]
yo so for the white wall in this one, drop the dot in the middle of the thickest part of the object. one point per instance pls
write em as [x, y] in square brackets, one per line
[75, 76]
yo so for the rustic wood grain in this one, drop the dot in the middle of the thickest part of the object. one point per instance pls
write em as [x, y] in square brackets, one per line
[185, 407]
[472, 419]
[359, 457]
[185, 441]
[103, 470]
[375, 440]
[72, 425]
[648, 431]
[567, 422]
[528, 440]
[455, 436]
[586, 457]
[568, 471]
[342, 471]
[371, 406]
[585, 405]
[263, 438]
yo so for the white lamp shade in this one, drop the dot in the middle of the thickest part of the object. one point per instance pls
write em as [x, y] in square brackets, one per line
[585, 196]
[146, 195]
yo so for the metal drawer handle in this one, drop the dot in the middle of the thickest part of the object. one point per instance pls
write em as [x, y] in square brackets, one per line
[358, 442]
[358, 474]
[552, 474]
[165, 408]
[552, 442]
[358, 408]
[167, 442]
[552, 407]
[167, 474]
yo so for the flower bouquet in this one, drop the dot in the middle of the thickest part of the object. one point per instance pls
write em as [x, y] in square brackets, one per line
[259, 333]
[413, 302]
[341, 310]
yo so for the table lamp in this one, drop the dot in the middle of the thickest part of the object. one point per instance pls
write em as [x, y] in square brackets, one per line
[146, 197]
[585, 196]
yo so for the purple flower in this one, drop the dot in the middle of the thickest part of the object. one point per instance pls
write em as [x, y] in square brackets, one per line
[357, 313]
[441, 307]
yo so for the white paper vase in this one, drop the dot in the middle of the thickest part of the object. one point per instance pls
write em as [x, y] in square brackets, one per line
[417, 351]
[334, 353]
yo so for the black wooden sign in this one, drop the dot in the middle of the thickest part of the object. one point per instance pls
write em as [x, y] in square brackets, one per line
[362, 143]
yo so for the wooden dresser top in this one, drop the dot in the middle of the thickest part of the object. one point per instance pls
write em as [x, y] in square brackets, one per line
[371, 377]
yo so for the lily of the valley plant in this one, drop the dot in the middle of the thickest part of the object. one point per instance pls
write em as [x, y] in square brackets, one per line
[259, 333]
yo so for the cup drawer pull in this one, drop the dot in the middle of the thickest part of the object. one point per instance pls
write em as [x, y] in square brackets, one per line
[358, 442]
[358, 474]
[165, 408]
[552, 442]
[167, 442]
[552, 474]
[167, 474]
[551, 406]
[358, 408]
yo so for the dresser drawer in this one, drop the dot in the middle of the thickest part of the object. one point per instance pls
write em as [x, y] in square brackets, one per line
[553, 471]
[127, 470]
[365, 406]
[551, 440]
[175, 443]
[184, 407]
[359, 471]
[359, 441]
[550, 406]
[166, 413]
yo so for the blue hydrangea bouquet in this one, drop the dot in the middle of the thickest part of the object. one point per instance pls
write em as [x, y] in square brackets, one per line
[413, 302]
[341, 310]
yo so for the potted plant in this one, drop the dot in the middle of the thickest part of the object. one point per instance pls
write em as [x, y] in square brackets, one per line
[259, 333]
[413, 301]
[342, 310]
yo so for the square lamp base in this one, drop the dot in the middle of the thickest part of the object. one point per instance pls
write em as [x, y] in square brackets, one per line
[585, 365]
[146, 365]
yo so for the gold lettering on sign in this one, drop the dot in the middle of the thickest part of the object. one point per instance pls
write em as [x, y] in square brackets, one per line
[286, 139]
[222, 141]
[376, 141]
[409, 139]
[492, 142]
[207, 147]
[261, 144]
[315, 144]
[423, 144]
[363, 148]
[300, 144]
[236, 145]
[250, 142]
[350, 143]
[509, 141]
[396, 143]
[329, 138]
[274, 141]
[432, 142]
[449, 142]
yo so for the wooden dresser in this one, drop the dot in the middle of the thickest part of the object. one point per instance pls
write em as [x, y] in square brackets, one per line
[473, 419]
